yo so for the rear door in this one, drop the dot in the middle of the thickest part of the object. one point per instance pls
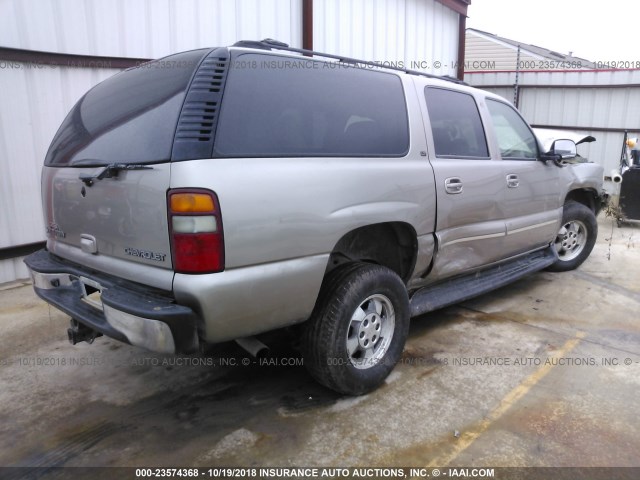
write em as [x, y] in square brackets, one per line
[470, 224]
[108, 169]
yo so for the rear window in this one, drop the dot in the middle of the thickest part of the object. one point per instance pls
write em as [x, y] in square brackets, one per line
[279, 106]
[129, 118]
[456, 124]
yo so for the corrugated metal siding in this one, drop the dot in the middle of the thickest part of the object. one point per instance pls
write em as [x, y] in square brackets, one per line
[610, 106]
[36, 98]
[606, 108]
[564, 77]
[144, 28]
[12, 269]
[35, 101]
[506, 92]
[406, 31]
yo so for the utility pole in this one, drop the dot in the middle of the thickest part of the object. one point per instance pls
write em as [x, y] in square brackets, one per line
[515, 86]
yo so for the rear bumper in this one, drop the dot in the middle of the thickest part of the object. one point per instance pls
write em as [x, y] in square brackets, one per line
[128, 312]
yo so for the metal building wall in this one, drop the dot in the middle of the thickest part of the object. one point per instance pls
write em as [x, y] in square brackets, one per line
[422, 31]
[36, 97]
[602, 103]
[144, 28]
[35, 100]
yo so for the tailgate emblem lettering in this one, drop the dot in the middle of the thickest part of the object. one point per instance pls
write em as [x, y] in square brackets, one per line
[146, 254]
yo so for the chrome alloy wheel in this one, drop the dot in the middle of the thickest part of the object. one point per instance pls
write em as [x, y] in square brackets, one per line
[571, 240]
[370, 331]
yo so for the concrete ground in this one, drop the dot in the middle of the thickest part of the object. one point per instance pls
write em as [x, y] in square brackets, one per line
[545, 372]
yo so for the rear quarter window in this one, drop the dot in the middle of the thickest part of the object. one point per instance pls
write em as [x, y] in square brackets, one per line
[282, 106]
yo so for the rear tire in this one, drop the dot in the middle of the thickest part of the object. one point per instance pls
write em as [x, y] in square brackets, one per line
[576, 237]
[358, 328]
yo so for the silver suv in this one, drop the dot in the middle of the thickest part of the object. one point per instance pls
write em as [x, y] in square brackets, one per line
[221, 193]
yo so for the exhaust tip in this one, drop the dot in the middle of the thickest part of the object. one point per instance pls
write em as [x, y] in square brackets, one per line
[253, 346]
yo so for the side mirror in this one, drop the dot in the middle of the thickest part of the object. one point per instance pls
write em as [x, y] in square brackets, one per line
[563, 149]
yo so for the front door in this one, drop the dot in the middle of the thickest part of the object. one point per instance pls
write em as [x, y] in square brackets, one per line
[532, 206]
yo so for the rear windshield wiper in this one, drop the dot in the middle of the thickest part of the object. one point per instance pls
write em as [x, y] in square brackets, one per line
[111, 171]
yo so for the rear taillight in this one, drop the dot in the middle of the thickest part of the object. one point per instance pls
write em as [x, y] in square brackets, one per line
[195, 223]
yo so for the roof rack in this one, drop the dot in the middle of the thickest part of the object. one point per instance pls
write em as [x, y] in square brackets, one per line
[271, 44]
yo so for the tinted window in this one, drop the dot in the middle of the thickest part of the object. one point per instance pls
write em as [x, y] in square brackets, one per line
[456, 125]
[278, 106]
[130, 117]
[515, 138]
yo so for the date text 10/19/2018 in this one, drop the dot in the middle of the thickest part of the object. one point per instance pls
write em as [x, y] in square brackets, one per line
[293, 472]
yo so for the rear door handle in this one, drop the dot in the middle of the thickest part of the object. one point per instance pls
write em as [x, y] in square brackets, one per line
[453, 185]
[513, 181]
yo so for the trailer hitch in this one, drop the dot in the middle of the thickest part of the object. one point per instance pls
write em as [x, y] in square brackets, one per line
[81, 333]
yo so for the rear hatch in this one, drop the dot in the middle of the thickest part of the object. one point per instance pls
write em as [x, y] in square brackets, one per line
[107, 172]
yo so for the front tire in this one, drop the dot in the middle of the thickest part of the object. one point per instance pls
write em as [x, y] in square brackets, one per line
[358, 328]
[576, 237]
